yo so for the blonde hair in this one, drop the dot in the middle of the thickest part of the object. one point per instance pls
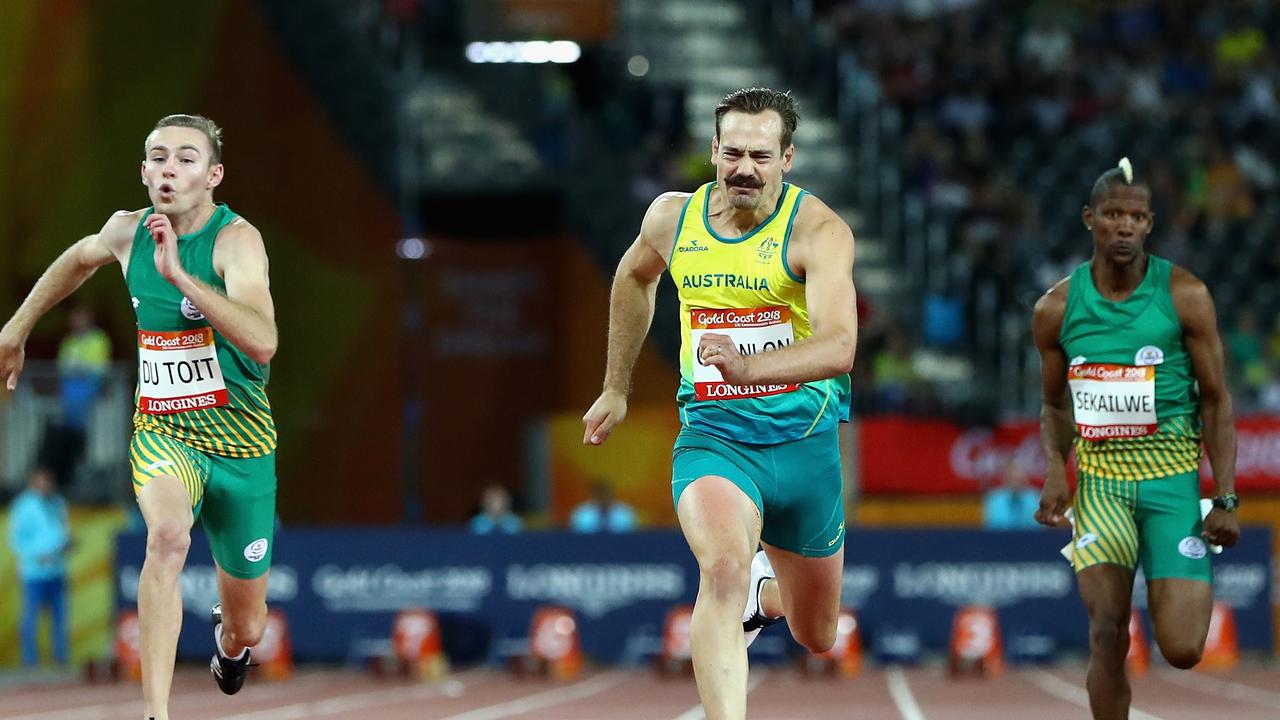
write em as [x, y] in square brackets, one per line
[210, 129]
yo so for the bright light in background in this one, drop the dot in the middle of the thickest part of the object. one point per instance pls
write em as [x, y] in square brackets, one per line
[638, 66]
[413, 249]
[535, 51]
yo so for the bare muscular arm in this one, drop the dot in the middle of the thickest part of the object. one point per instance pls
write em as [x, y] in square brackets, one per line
[631, 303]
[1057, 428]
[1200, 337]
[822, 247]
[75, 265]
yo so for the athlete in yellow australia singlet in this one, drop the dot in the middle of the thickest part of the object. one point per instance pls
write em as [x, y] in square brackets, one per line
[764, 272]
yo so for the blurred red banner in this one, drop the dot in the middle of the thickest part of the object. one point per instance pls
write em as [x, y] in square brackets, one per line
[912, 455]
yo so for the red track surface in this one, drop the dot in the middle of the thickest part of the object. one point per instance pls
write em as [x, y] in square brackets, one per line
[778, 694]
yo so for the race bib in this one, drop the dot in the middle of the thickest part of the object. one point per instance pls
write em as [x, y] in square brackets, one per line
[179, 371]
[1113, 401]
[753, 330]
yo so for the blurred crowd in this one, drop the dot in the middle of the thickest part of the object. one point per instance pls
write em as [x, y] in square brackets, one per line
[1010, 110]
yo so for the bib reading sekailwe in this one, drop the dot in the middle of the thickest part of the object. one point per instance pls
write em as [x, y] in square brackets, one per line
[742, 287]
[1113, 401]
[194, 385]
[1132, 389]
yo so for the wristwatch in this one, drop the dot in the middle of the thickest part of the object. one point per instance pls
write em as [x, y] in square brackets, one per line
[1228, 502]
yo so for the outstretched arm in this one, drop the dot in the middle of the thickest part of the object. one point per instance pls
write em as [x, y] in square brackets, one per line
[75, 265]
[631, 303]
[245, 315]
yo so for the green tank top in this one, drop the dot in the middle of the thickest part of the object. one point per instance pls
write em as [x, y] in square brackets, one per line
[743, 287]
[1132, 388]
[194, 385]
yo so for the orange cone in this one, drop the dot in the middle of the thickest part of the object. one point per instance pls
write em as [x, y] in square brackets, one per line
[1139, 657]
[1222, 646]
[976, 647]
[553, 642]
[845, 657]
[274, 653]
[677, 652]
[128, 645]
[415, 637]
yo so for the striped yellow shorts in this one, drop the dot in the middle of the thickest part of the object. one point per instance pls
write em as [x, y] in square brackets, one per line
[233, 498]
[1154, 522]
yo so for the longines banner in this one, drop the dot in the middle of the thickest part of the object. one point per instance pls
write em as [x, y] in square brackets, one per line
[910, 455]
[341, 588]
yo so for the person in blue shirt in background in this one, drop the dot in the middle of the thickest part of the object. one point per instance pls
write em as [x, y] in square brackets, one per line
[603, 513]
[495, 513]
[39, 535]
[1012, 505]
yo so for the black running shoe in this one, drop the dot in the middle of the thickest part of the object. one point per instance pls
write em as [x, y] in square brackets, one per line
[228, 673]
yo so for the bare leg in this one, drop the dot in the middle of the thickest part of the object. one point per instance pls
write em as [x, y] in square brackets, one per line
[808, 593]
[1180, 611]
[1106, 590]
[722, 527]
[166, 506]
[244, 612]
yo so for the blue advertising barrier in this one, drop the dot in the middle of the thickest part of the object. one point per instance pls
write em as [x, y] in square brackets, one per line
[341, 587]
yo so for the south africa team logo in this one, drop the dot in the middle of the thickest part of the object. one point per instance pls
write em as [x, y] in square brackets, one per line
[1149, 355]
[190, 311]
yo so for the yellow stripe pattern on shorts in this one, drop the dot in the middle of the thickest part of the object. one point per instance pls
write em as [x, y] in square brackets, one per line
[1106, 529]
[1174, 449]
[153, 455]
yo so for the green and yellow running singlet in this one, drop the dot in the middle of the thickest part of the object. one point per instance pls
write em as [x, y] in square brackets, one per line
[1132, 388]
[193, 384]
[742, 287]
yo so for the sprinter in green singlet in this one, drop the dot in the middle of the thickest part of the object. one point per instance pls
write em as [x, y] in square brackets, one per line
[1132, 372]
[204, 440]
[764, 271]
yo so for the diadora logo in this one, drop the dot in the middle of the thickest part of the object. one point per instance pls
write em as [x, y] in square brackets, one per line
[1149, 355]
[693, 246]
[1077, 360]
[767, 249]
[135, 302]
[1086, 540]
[839, 534]
[190, 311]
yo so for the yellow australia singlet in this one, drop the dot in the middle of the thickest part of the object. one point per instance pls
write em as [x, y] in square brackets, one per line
[742, 287]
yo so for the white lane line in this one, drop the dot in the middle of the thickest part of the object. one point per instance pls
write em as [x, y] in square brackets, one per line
[354, 701]
[900, 690]
[753, 682]
[90, 712]
[119, 708]
[546, 699]
[1072, 693]
[1269, 699]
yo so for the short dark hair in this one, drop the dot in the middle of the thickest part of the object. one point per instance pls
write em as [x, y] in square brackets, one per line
[754, 101]
[201, 123]
[1109, 179]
